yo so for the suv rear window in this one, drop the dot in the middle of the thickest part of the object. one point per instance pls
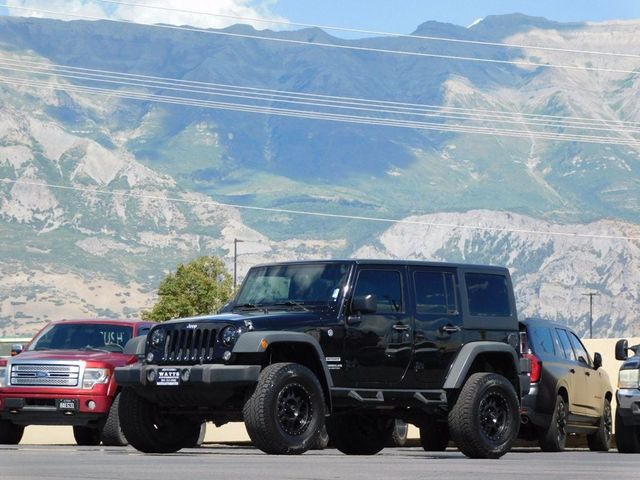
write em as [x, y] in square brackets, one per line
[541, 340]
[488, 295]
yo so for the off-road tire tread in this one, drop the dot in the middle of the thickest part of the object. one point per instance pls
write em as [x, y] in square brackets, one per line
[257, 412]
[463, 421]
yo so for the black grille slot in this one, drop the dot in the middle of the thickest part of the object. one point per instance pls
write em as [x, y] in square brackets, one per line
[192, 345]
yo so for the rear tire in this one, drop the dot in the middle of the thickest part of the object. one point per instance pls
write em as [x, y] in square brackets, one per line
[150, 431]
[399, 434]
[627, 436]
[554, 439]
[600, 441]
[360, 434]
[111, 431]
[485, 420]
[434, 436]
[286, 411]
[86, 436]
[10, 434]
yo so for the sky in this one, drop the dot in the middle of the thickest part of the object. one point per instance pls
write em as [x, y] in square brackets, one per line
[393, 16]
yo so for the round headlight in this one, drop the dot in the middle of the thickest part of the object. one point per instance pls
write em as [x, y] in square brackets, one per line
[157, 337]
[229, 335]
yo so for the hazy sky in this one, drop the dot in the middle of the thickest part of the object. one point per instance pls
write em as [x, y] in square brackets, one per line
[401, 16]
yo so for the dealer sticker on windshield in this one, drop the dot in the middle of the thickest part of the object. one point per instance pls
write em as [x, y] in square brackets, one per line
[168, 376]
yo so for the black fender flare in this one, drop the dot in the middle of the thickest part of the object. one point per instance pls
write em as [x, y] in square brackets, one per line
[466, 356]
[260, 341]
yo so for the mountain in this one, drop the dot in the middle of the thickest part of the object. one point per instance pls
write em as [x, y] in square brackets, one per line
[147, 184]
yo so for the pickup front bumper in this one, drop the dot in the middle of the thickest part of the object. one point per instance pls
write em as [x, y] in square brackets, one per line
[629, 406]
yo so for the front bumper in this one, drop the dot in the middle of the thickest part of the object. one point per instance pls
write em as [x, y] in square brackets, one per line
[141, 375]
[53, 409]
[629, 406]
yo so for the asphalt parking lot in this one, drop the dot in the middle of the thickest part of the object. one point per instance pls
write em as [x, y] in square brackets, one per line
[27, 462]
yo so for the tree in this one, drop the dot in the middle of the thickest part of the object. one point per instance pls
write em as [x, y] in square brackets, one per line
[199, 287]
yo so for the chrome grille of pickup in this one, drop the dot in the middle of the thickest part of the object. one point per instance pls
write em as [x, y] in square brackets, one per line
[189, 345]
[46, 375]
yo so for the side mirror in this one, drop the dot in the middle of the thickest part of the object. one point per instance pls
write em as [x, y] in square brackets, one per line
[621, 349]
[597, 360]
[16, 349]
[364, 304]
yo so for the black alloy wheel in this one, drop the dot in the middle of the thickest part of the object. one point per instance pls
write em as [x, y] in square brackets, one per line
[295, 409]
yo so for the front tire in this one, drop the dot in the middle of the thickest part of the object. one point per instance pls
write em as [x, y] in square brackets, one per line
[360, 434]
[554, 439]
[485, 420]
[111, 431]
[600, 441]
[434, 436]
[627, 436]
[286, 411]
[86, 436]
[149, 431]
[10, 434]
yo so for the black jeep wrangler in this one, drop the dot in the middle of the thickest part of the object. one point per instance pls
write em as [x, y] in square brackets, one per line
[354, 344]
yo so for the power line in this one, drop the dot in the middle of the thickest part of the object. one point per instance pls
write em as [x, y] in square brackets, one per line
[271, 94]
[451, 226]
[520, 63]
[517, 133]
[373, 32]
[309, 100]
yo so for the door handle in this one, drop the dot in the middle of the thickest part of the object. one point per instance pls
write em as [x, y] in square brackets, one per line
[572, 370]
[450, 329]
[587, 374]
[400, 327]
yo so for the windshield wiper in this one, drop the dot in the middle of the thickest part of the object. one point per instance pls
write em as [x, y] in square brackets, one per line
[93, 349]
[290, 303]
[247, 306]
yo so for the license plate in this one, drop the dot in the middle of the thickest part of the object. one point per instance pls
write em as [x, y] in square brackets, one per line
[68, 405]
[168, 376]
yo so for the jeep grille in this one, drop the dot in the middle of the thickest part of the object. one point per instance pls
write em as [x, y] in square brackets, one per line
[45, 375]
[189, 345]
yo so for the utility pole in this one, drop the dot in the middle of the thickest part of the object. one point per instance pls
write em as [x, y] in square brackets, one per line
[590, 295]
[236, 241]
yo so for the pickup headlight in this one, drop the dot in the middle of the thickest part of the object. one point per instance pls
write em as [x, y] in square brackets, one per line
[629, 378]
[3, 376]
[94, 376]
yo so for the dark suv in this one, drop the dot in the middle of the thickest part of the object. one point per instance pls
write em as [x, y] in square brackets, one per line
[569, 394]
[362, 342]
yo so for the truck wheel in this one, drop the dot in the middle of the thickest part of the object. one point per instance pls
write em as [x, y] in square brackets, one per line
[398, 434]
[322, 440]
[86, 436]
[111, 432]
[434, 436]
[627, 436]
[286, 411]
[485, 420]
[554, 438]
[10, 434]
[600, 441]
[360, 434]
[151, 431]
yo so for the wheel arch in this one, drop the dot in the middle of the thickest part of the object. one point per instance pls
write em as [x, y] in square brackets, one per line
[278, 346]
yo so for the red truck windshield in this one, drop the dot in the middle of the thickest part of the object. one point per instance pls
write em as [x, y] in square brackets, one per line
[78, 336]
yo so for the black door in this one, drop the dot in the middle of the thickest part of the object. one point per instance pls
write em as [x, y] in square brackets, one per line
[438, 324]
[378, 345]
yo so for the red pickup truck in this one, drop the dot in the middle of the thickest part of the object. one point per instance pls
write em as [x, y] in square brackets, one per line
[64, 376]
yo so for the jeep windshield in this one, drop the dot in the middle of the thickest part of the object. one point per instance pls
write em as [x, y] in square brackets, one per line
[292, 286]
[83, 336]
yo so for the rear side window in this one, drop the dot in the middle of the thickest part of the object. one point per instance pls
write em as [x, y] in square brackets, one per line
[567, 351]
[488, 295]
[435, 293]
[386, 285]
[541, 340]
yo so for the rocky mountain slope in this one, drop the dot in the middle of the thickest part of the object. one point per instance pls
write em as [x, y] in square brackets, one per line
[99, 195]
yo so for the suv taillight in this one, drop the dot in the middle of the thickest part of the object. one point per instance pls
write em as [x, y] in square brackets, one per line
[536, 367]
